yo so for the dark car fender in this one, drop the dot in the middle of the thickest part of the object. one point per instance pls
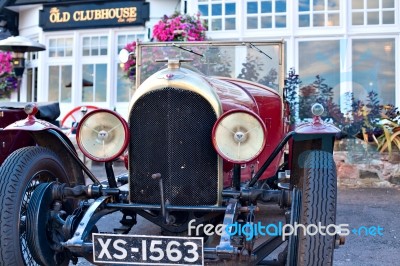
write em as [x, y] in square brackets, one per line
[314, 135]
[47, 135]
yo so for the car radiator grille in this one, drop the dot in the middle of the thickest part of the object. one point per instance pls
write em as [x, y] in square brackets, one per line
[171, 135]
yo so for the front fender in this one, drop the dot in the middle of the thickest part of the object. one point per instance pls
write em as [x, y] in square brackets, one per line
[42, 134]
[315, 135]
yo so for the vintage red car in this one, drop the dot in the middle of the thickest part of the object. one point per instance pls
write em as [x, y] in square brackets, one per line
[205, 145]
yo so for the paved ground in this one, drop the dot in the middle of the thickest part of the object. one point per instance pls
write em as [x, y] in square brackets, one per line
[374, 207]
[370, 207]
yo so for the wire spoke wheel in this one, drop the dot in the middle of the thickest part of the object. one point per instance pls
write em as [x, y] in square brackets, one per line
[26, 169]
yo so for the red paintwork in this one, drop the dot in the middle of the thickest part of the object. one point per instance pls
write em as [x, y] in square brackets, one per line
[228, 113]
[317, 127]
[126, 140]
[31, 123]
[267, 104]
[12, 140]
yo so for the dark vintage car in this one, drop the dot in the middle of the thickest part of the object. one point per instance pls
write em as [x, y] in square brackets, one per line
[205, 147]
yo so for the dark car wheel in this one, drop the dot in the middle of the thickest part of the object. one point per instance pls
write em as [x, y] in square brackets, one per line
[317, 204]
[20, 174]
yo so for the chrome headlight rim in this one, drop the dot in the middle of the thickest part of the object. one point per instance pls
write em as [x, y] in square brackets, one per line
[122, 147]
[218, 147]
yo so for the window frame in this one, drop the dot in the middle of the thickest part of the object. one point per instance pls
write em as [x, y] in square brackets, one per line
[259, 15]
[325, 12]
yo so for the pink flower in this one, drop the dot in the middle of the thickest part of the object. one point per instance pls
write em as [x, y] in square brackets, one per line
[179, 28]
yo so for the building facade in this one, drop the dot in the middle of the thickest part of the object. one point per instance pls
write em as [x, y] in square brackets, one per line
[352, 45]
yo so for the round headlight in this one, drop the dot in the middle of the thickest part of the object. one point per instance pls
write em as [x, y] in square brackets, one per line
[102, 135]
[239, 136]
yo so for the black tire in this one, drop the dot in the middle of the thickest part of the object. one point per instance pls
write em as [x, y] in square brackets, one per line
[20, 174]
[313, 202]
[318, 204]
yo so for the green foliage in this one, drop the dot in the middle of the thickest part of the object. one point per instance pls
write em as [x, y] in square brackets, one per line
[391, 129]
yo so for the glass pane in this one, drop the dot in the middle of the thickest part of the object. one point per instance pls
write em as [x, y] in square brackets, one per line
[216, 24]
[95, 46]
[333, 5]
[304, 21]
[86, 51]
[66, 78]
[87, 83]
[124, 86]
[318, 58]
[319, 5]
[68, 42]
[319, 20]
[103, 45]
[357, 4]
[54, 83]
[68, 51]
[230, 9]
[333, 20]
[252, 8]
[280, 21]
[373, 70]
[280, 6]
[388, 3]
[266, 22]
[86, 41]
[387, 17]
[101, 83]
[60, 51]
[230, 23]
[372, 4]
[103, 40]
[372, 18]
[252, 23]
[358, 18]
[203, 9]
[304, 5]
[121, 40]
[52, 52]
[266, 7]
[52, 43]
[60, 42]
[216, 9]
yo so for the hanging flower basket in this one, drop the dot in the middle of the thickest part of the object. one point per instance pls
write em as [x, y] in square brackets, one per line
[8, 80]
[179, 27]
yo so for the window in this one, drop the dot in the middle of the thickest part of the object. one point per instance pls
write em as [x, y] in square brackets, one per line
[95, 45]
[319, 70]
[218, 15]
[94, 83]
[125, 86]
[319, 13]
[373, 69]
[372, 12]
[60, 47]
[60, 83]
[128, 38]
[266, 14]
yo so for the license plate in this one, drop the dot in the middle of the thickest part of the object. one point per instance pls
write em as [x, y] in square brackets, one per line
[147, 250]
